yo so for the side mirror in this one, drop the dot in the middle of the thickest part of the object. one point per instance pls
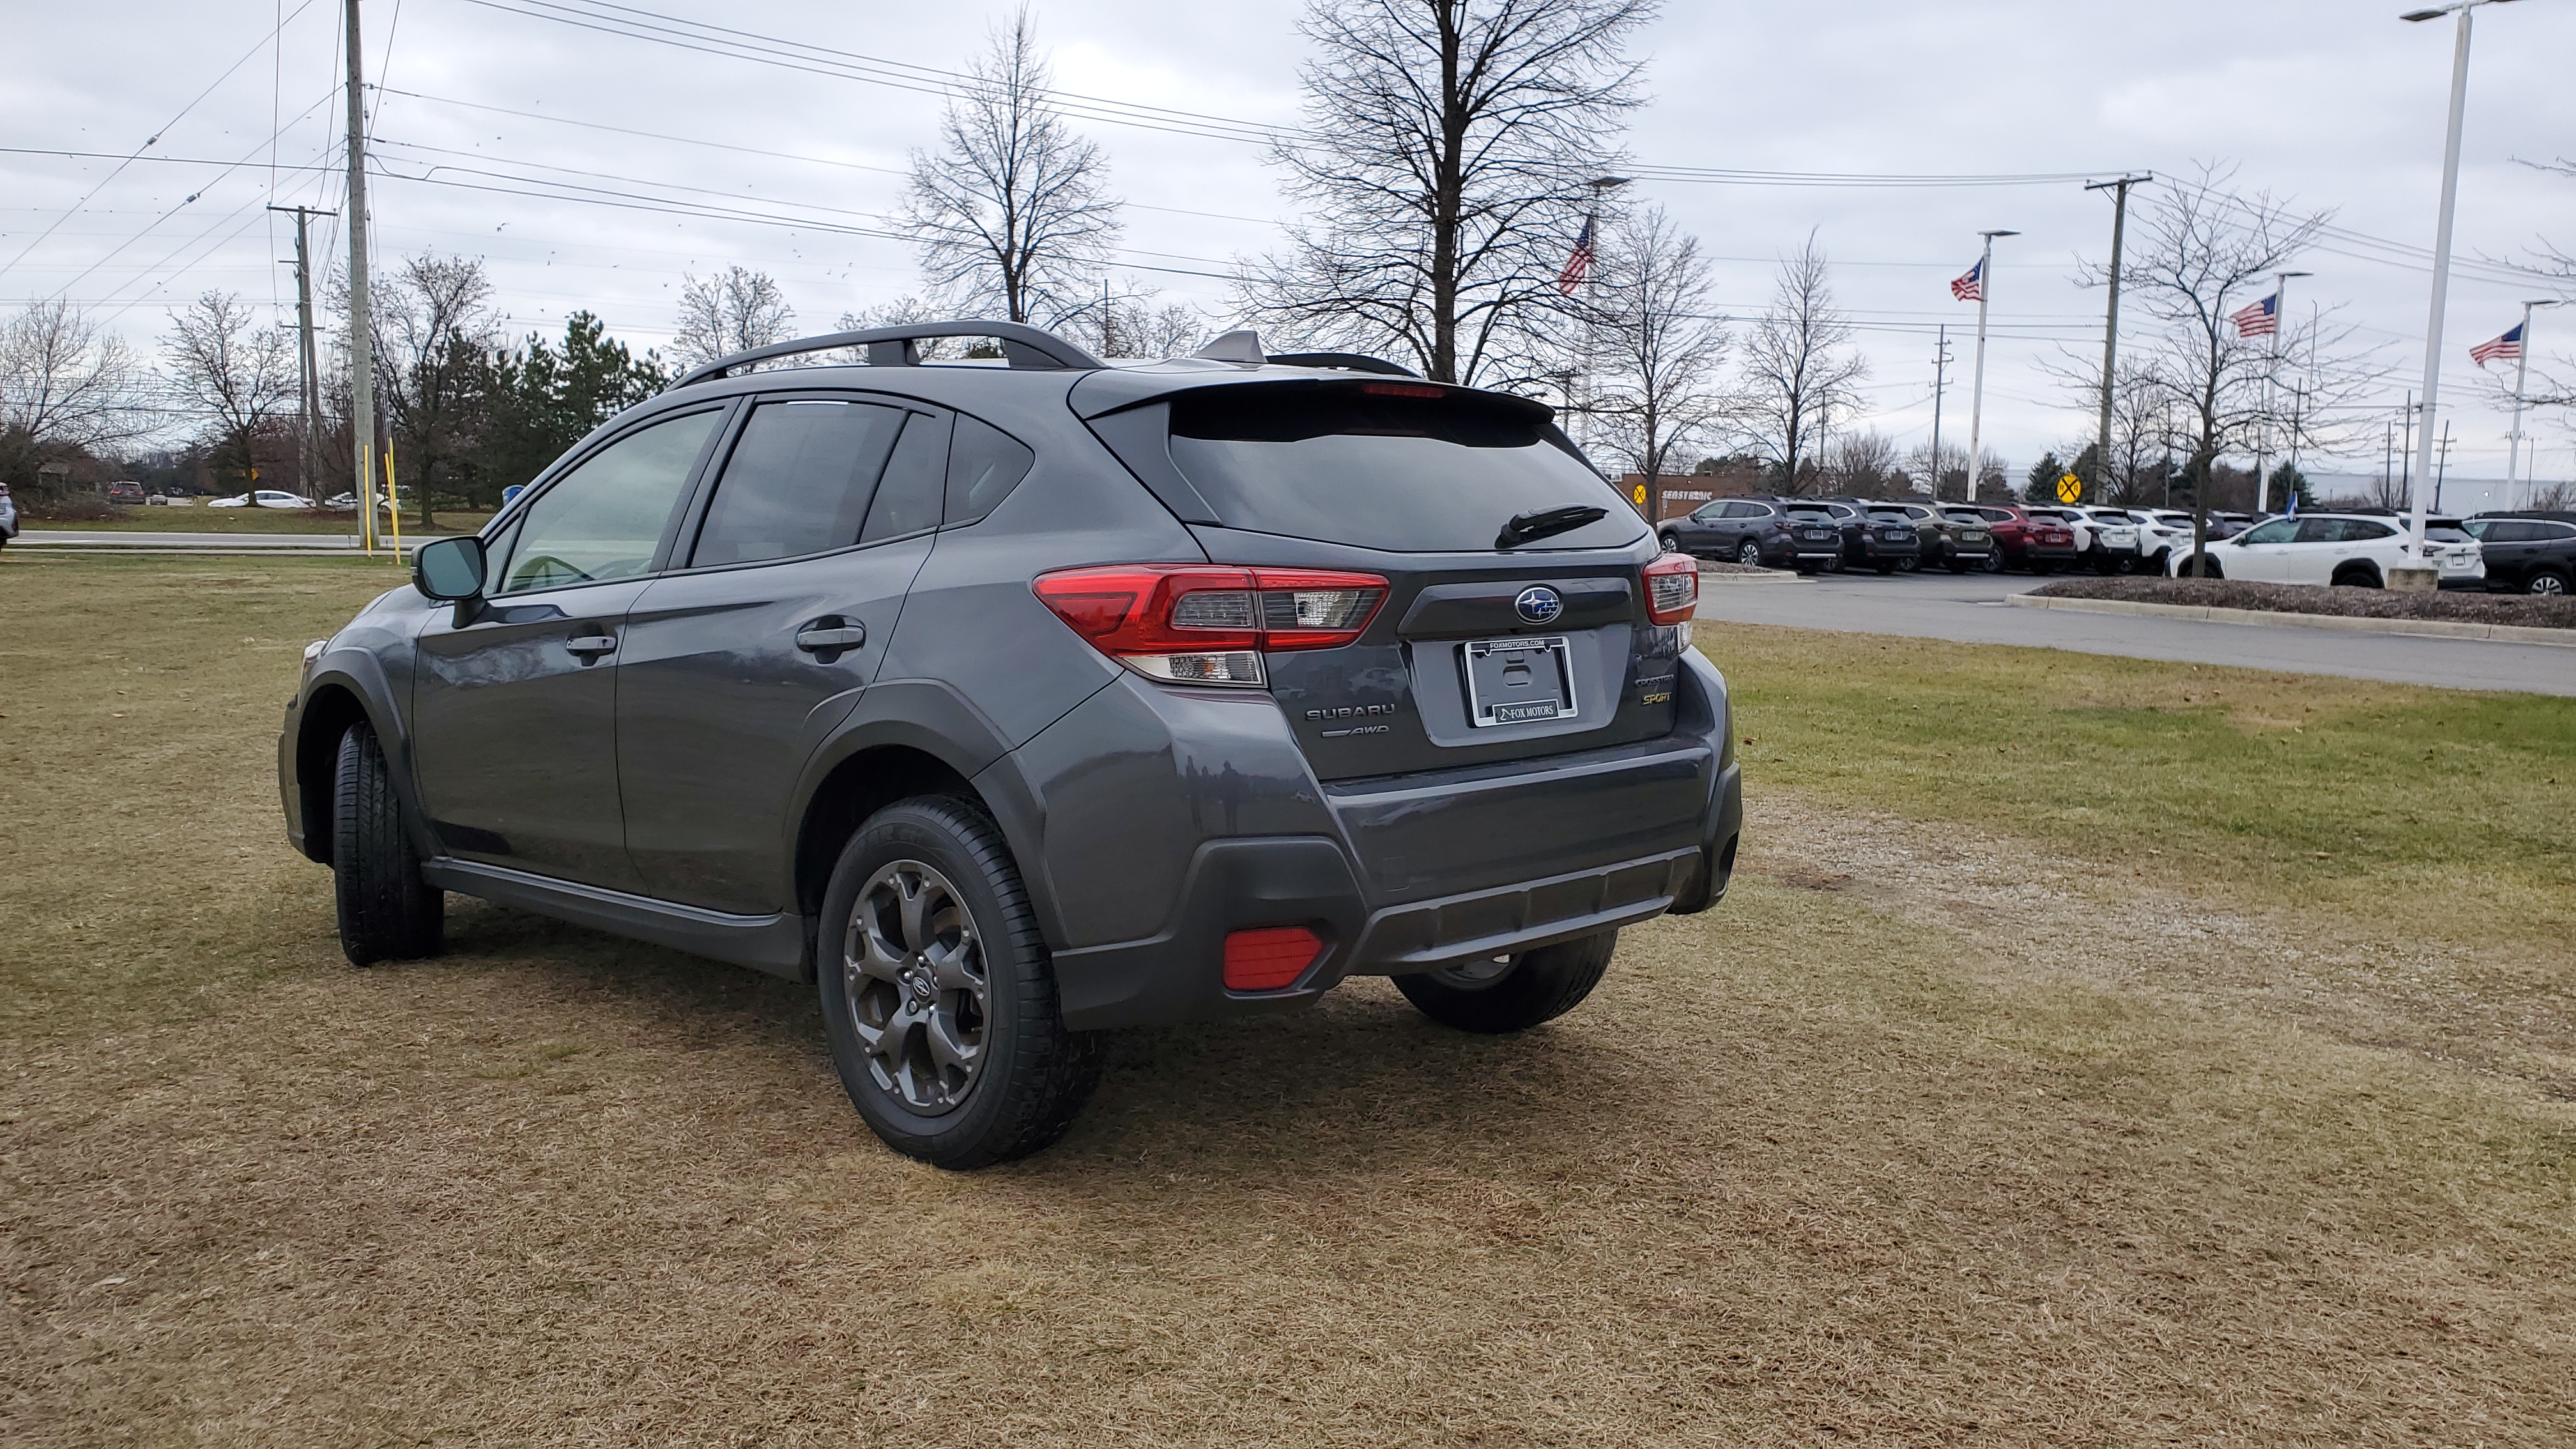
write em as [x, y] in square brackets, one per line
[449, 570]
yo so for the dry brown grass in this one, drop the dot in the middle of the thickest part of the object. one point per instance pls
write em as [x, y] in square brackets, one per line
[1895, 1147]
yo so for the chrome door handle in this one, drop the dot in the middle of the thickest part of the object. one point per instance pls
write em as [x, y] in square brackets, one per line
[815, 640]
[591, 644]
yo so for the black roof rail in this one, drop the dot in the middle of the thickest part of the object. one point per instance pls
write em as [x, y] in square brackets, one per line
[1347, 361]
[1022, 345]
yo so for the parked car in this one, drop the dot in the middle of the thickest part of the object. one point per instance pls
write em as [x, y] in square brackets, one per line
[2349, 550]
[2041, 545]
[2157, 535]
[1753, 531]
[2526, 553]
[8, 516]
[348, 501]
[129, 493]
[2101, 544]
[268, 498]
[1882, 544]
[1011, 704]
[1947, 543]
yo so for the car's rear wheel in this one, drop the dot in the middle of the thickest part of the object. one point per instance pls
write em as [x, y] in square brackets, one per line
[1749, 554]
[1885, 565]
[1669, 542]
[2548, 582]
[1995, 562]
[387, 912]
[938, 995]
[1511, 993]
[2356, 576]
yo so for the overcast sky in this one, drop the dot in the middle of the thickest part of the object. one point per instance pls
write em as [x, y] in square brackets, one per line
[2333, 104]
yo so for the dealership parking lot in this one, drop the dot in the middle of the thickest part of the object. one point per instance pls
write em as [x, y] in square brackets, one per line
[2057, 1074]
[1969, 608]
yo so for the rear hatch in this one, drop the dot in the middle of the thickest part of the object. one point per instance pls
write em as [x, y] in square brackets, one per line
[1481, 653]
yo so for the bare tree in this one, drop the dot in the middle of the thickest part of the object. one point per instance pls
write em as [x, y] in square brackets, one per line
[2204, 253]
[1654, 347]
[733, 311]
[1453, 151]
[434, 333]
[233, 373]
[1133, 327]
[66, 385]
[1796, 371]
[1012, 212]
[1945, 475]
[1864, 465]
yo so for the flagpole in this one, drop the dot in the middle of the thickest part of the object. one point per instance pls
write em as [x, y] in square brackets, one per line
[1977, 395]
[2271, 379]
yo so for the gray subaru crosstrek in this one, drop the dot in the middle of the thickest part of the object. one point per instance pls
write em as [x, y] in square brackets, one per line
[1013, 702]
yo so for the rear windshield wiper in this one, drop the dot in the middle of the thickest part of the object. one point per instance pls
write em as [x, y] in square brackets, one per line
[1547, 523]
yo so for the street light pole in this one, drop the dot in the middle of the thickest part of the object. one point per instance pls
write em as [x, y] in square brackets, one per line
[1977, 397]
[2441, 259]
[362, 361]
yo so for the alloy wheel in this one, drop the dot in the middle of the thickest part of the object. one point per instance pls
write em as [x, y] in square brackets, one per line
[913, 973]
[1750, 555]
[2549, 584]
[1475, 975]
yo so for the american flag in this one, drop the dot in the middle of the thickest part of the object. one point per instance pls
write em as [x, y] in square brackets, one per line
[2507, 348]
[1970, 287]
[1579, 265]
[2259, 319]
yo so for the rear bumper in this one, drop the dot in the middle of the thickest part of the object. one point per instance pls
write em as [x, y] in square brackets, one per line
[1590, 842]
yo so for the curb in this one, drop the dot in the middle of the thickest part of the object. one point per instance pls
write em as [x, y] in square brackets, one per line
[2419, 628]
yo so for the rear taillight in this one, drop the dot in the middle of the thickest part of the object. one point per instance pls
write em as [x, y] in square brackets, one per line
[1672, 588]
[1209, 624]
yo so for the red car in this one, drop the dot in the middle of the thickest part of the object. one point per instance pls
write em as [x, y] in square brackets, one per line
[2040, 545]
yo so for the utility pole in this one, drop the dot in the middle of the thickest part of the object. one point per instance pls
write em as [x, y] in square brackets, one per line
[1940, 372]
[308, 441]
[362, 358]
[2406, 455]
[2442, 469]
[2111, 325]
[1977, 396]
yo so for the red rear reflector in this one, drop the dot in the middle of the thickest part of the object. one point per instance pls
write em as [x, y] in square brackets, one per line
[1402, 389]
[1672, 588]
[1270, 958]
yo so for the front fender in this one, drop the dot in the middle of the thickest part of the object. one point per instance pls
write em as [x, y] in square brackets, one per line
[346, 684]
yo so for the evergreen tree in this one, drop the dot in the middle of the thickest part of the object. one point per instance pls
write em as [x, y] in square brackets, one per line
[2043, 479]
[544, 399]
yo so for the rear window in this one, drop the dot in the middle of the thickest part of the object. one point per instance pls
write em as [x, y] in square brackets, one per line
[1379, 466]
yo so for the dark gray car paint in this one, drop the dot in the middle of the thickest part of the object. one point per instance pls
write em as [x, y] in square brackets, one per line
[1147, 819]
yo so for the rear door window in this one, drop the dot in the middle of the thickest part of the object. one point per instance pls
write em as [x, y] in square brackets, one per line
[1406, 467]
[798, 482]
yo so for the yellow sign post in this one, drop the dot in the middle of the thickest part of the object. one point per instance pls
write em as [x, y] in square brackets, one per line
[2069, 488]
[1638, 495]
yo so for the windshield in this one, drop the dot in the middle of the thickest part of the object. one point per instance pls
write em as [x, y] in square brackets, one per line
[1408, 467]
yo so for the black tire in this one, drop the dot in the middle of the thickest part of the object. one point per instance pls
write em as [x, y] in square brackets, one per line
[1749, 554]
[1958, 566]
[1670, 544]
[1030, 1076]
[2042, 566]
[1909, 565]
[1885, 566]
[2547, 582]
[1528, 988]
[1995, 561]
[2356, 576]
[387, 912]
[2200, 566]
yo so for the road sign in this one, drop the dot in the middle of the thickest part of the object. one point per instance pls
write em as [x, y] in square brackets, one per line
[2069, 488]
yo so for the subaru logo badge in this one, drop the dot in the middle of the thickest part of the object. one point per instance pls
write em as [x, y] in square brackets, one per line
[1539, 604]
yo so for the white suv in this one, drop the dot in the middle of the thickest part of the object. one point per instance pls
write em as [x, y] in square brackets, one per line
[2333, 548]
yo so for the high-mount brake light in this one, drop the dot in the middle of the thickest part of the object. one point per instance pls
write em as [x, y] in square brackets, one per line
[1209, 624]
[1403, 389]
[1672, 588]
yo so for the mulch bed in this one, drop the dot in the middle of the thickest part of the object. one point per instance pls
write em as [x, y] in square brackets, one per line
[2465, 608]
[1712, 566]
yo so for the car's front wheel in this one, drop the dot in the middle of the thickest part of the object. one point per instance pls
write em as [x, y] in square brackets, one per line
[1511, 993]
[387, 912]
[1749, 554]
[938, 994]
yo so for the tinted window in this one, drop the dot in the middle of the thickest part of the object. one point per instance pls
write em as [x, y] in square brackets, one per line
[2356, 530]
[798, 482]
[2279, 530]
[2504, 530]
[2552, 530]
[2447, 533]
[907, 498]
[984, 465]
[604, 519]
[1961, 516]
[1386, 465]
[1756, 510]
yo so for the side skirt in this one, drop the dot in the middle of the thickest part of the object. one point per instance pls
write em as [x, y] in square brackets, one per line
[775, 944]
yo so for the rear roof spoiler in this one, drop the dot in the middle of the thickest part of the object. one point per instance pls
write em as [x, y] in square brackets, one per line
[1023, 346]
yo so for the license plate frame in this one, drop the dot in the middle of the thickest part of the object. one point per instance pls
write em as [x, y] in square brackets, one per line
[1546, 689]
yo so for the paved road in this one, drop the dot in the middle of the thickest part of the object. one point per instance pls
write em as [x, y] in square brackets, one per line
[1970, 609]
[226, 542]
